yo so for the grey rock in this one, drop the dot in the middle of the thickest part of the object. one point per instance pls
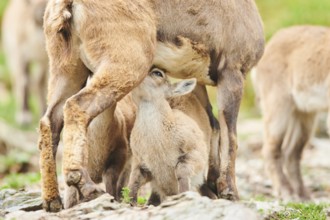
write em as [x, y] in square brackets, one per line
[188, 205]
[6, 193]
[11, 200]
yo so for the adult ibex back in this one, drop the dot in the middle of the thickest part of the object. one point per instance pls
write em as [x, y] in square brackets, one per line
[24, 43]
[292, 84]
[116, 41]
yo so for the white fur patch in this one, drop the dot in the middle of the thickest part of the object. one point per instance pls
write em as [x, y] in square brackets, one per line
[224, 145]
[79, 15]
[312, 99]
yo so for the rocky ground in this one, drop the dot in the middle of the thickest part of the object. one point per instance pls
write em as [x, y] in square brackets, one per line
[255, 192]
[315, 165]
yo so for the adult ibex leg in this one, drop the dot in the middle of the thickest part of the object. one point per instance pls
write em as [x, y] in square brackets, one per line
[109, 84]
[214, 159]
[63, 83]
[229, 94]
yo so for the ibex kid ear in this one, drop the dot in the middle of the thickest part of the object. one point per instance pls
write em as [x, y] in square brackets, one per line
[183, 87]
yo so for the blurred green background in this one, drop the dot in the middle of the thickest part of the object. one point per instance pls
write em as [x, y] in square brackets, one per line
[276, 14]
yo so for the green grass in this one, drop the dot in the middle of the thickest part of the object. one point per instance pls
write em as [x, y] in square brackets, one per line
[141, 201]
[282, 13]
[19, 180]
[125, 195]
[301, 211]
[7, 110]
[261, 198]
[13, 161]
[3, 4]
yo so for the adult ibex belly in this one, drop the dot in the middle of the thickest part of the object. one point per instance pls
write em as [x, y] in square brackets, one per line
[184, 59]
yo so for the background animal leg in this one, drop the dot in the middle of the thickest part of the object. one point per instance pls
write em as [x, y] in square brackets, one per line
[278, 127]
[115, 165]
[20, 82]
[301, 134]
[41, 87]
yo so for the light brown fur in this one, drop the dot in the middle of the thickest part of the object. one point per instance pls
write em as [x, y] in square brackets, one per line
[169, 148]
[117, 44]
[292, 83]
[232, 34]
[24, 44]
[107, 138]
[116, 67]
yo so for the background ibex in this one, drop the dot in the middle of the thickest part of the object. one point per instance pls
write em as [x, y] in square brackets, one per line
[24, 44]
[292, 84]
[170, 148]
[115, 42]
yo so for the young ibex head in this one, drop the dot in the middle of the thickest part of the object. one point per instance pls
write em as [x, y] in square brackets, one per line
[157, 86]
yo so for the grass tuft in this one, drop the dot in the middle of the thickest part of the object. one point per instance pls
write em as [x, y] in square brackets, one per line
[19, 180]
[301, 211]
[125, 195]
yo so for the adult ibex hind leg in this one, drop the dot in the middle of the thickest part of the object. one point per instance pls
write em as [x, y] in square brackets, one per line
[109, 84]
[214, 159]
[64, 82]
[229, 94]
[67, 76]
[119, 64]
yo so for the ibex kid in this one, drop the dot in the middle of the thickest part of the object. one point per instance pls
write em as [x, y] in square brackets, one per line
[169, 148]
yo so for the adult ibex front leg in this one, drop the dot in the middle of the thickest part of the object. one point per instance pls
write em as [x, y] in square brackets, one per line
[117, 46]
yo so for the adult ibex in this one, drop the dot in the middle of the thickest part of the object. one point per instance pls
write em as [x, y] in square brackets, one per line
[24, 43]
[292, 84]
[115, 42]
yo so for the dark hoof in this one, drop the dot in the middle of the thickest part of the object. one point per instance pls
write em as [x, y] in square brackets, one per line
[73, 177]
[86, 188]
[205, 190]
[154, 199]
[229, 195]
[90, 192]
[54, 205]
[213, 187]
